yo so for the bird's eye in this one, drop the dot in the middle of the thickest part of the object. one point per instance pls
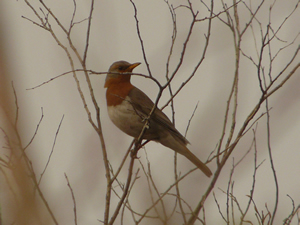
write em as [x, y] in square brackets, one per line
[121, 68]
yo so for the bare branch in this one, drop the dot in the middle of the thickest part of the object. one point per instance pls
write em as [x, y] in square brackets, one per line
[36, 130]
[73, 198]
[54, 142]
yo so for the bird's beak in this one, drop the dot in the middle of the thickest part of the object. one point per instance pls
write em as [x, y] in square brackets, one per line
[132, 66]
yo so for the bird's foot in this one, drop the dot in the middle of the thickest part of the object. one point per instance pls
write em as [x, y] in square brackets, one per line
[146, 120]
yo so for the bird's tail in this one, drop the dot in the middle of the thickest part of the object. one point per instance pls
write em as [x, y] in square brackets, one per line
[189, 155]
[180, 148]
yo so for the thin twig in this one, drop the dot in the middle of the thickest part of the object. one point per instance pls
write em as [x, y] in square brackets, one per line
[36, 131]
[73, 198]
[140, 37]
[88, 33]
[54, 142]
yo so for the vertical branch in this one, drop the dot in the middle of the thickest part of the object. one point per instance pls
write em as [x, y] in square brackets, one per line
[228, 193]
[16, 104]
[237, 44]
[173, 39]
[140, 38]
[125, 192]
[254, 178]
[272, 163]
[88, 33]
[174, 35]
[73, 198]
[151, 184]
[54, 142]
[185, 43]
[230, 24]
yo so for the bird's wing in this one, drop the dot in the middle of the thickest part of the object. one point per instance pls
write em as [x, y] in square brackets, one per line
[143, 104]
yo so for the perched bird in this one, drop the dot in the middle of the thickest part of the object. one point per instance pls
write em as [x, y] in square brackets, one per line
[128, 107]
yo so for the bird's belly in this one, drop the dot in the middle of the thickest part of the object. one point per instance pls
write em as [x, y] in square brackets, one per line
[126, 119]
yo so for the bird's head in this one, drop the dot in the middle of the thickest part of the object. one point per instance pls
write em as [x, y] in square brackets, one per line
[115, 72]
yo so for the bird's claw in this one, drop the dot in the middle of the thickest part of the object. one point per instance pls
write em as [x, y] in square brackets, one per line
[146, 120]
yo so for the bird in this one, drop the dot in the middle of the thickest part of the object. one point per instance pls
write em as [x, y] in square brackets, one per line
[128, 108]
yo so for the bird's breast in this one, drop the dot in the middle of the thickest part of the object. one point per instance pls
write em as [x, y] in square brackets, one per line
[126, 118]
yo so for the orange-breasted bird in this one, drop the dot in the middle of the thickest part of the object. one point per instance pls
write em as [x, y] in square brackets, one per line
[128, 107]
